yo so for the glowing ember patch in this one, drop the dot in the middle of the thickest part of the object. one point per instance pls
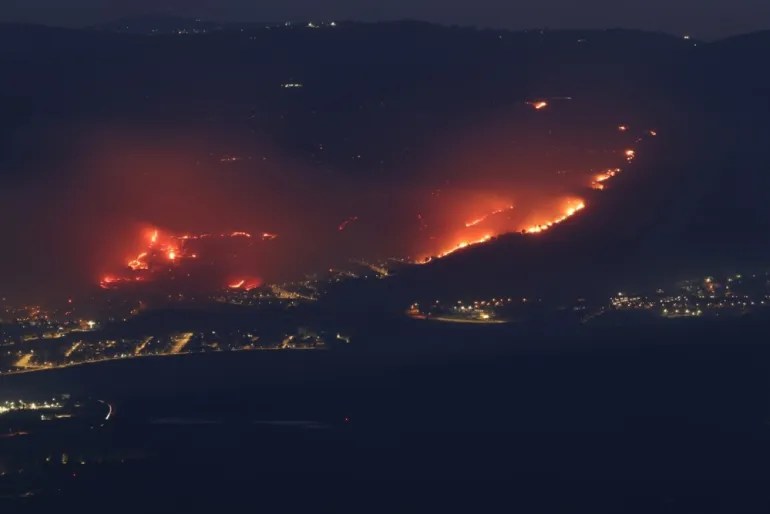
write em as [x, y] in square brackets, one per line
[107, 281]
[603, 177]
[538, 105]
[622, 128]
[240, 234]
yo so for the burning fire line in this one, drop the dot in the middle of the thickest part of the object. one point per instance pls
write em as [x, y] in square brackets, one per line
[476, 221]
[460, 246]
[596, 183]
[165, 250]
[571, 211]
[245, 284]
[598, 180]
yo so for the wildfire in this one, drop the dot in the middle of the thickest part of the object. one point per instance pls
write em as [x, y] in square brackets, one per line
[570, 211]
[476, 221]
[164, 251]
[112, 281]
[622, 128]
[139, 262]
[465, 244]
[630, 154]
[245, 284]
[107, 281]
[598, 180]
[539, 104]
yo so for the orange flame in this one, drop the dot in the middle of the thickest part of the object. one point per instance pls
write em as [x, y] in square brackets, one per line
[465, 244]
[570, 211]
[603, 177]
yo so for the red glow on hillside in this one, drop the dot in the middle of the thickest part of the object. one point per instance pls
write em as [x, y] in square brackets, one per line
[165, 252]
[245, 284]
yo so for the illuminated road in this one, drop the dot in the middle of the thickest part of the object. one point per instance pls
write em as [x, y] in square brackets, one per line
[40, 368]
[24, 361]
[109, 411]
[444, 319]
[72, 349]
[180, 342]
[141, 346]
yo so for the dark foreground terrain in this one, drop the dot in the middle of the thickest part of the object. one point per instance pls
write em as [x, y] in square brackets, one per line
[666, 418]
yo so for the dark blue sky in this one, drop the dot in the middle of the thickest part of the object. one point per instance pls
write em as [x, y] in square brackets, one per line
[701, 18]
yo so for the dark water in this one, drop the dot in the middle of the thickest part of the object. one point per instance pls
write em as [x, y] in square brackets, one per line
[678, 424]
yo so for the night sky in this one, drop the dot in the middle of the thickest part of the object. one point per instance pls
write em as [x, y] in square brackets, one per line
[700, 18]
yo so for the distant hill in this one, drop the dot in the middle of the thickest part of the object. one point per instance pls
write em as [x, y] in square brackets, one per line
[158, 24]
[376, 95]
